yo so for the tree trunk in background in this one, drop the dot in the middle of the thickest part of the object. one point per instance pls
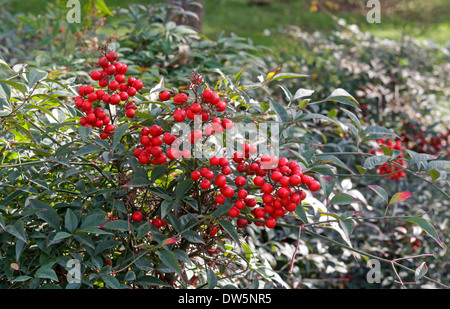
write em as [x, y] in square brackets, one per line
[189, 20]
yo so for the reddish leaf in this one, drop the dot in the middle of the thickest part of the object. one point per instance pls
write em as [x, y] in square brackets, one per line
[400, 197]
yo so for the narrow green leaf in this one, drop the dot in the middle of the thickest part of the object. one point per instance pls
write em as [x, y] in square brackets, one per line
[212, 278]
[118, 133]
[119, 225]
[170, 260]
[87, 150]
[427, 227]
[381, 192]
[231, 230]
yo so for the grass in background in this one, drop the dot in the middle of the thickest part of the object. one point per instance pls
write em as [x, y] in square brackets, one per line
[262, 23]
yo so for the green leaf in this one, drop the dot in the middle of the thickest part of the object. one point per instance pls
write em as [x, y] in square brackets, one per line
[70, 221]
[378, 131]
[118, 133]
[17, 230]
[61, 235]
[281, 112]
[231, 230]
[343, 199]
[427, 227]
[341, 96]
[347, 226]
[150, 281]
[381, 192]
[212, 278]
[183, 187]
[102, 7]
[84, 132]
[21, 279]
[35, 76]
[119, 225]
[169, 259]
[46, 273]
[158, 172]
[87, 150]
[193, 237]
[166, 207]
[420, 271]
[300, 211]
[49, 214]
[373, 161]
[111, 281]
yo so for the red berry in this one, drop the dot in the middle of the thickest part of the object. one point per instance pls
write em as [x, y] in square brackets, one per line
[270, 222]
[137, 84]
[130, 113]
[242, 223]
[136, 216]
[227, 191]
[233, 212]
[276, 176]
[196, 108]
[314, 185]
[103, 62]
[258, 181]
[227, 124]
[180, 98]
[220, 199]
[179, 115]
[214, 160]
[242, 194]
[112, 56]
[205, 184]
[221, 180]
[96, 75]
[164, 96]
[267, 188]
[240, 181]
[195, 175]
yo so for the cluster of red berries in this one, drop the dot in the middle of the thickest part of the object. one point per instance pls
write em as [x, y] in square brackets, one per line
[152, 140]
[389, 169]
[415, 139]
[209, 103]
[118, 89]
[279, 182]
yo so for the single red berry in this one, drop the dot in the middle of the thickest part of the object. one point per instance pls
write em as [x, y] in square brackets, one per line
[205, 184]
[314, 185]
[270, 222]
[220, 199]
[240, 181]
[242, 194]
[240, 204]
[96, 75]
[227, 191]
[267, 188]
[180, 98]
[103, 62]
[214, 160]
[233, 212]
[164, 96]
[136, 216]
[130, 113]
[220, 181]
[112, 56]
[179, 115]
[242, 223]
[258, 181]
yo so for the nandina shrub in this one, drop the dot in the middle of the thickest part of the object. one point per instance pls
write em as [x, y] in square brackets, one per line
[118, 184]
